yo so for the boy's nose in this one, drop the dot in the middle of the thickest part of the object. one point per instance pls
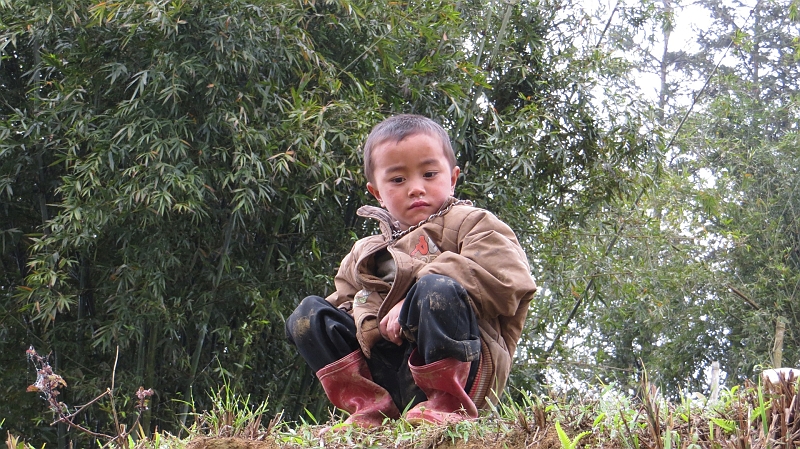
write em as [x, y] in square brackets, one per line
[416, 189]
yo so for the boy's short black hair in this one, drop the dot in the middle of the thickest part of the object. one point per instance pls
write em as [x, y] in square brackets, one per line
[399, 127]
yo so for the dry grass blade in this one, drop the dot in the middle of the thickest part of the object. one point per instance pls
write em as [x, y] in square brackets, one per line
[780, 386]
[651, 408]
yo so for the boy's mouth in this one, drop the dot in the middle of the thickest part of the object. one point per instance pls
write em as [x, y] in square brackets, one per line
[417, 204]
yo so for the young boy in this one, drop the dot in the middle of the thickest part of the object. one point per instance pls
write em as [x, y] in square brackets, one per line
[426, 315]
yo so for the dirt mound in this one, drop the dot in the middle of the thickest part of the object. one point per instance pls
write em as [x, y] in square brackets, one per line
[441, 438]
[231, 443]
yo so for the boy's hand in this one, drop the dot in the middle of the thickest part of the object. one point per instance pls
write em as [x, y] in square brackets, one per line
[390, 327]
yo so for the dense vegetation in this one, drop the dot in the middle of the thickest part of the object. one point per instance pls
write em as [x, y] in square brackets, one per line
[176, 175]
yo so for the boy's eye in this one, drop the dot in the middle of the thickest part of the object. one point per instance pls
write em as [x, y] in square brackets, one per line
[430, 174]
[397, 180]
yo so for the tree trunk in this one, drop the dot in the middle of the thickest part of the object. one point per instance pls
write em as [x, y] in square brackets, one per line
[150, 372]
[777, 349]
[193, 368]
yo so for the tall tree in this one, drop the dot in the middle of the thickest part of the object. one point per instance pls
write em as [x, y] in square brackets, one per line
[747, 140]
[701, 267]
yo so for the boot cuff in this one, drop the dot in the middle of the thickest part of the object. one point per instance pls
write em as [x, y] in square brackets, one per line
[343, 363]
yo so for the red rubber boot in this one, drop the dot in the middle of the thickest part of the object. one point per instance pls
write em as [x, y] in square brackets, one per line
[443, 382]
[349, 386]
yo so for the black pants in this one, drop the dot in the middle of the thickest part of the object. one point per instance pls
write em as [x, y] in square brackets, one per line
[436, 318]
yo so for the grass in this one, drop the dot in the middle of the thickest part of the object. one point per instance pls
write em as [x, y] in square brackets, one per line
[746, 417]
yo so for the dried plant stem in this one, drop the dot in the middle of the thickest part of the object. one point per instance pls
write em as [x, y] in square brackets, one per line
[119, 428]
[66, 420]
[79, 410]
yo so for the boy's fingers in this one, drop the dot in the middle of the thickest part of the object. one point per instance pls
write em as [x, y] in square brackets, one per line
[384, 327]
[390, 326]
[389, 331]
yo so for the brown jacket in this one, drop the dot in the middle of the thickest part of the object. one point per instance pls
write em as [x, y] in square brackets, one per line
[468, 244]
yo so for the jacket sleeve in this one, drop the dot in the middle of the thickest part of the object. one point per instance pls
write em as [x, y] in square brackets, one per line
[361, 304]
[345, 285]
[489, 263]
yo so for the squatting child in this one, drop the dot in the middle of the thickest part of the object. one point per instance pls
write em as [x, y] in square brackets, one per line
[426, 315]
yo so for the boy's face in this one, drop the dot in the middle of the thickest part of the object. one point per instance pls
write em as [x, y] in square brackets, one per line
[412, 178]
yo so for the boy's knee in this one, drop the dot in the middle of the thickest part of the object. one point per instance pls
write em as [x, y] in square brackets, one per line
[438, 293]
[439, 286]
[299, 321]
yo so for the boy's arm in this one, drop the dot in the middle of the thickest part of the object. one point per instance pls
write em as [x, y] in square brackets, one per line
[362, 305]
[345, 286]
[490, 264]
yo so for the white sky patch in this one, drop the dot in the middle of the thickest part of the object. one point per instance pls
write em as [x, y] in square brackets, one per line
[704, 178]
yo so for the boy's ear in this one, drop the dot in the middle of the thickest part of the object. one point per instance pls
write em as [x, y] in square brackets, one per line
[374, 191]
[454, 179]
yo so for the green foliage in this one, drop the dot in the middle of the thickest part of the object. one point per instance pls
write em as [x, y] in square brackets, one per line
[745, 141]
[231, 414]
[176, 175]
[179, 174]
[566, 441]
[701, 265]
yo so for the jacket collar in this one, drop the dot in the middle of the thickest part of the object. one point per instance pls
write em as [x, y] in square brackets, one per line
[388, 224]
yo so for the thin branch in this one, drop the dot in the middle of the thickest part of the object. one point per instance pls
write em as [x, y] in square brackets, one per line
[83, 429]
[608, 25]
[124, 434]
[77, 412]
[745, 297]
[113, 405]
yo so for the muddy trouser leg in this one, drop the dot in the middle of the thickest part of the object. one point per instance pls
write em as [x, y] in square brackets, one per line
[324, 334]
[439, 321]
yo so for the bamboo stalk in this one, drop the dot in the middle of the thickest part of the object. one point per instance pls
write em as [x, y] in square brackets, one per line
[714, 381]
[777, 348]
